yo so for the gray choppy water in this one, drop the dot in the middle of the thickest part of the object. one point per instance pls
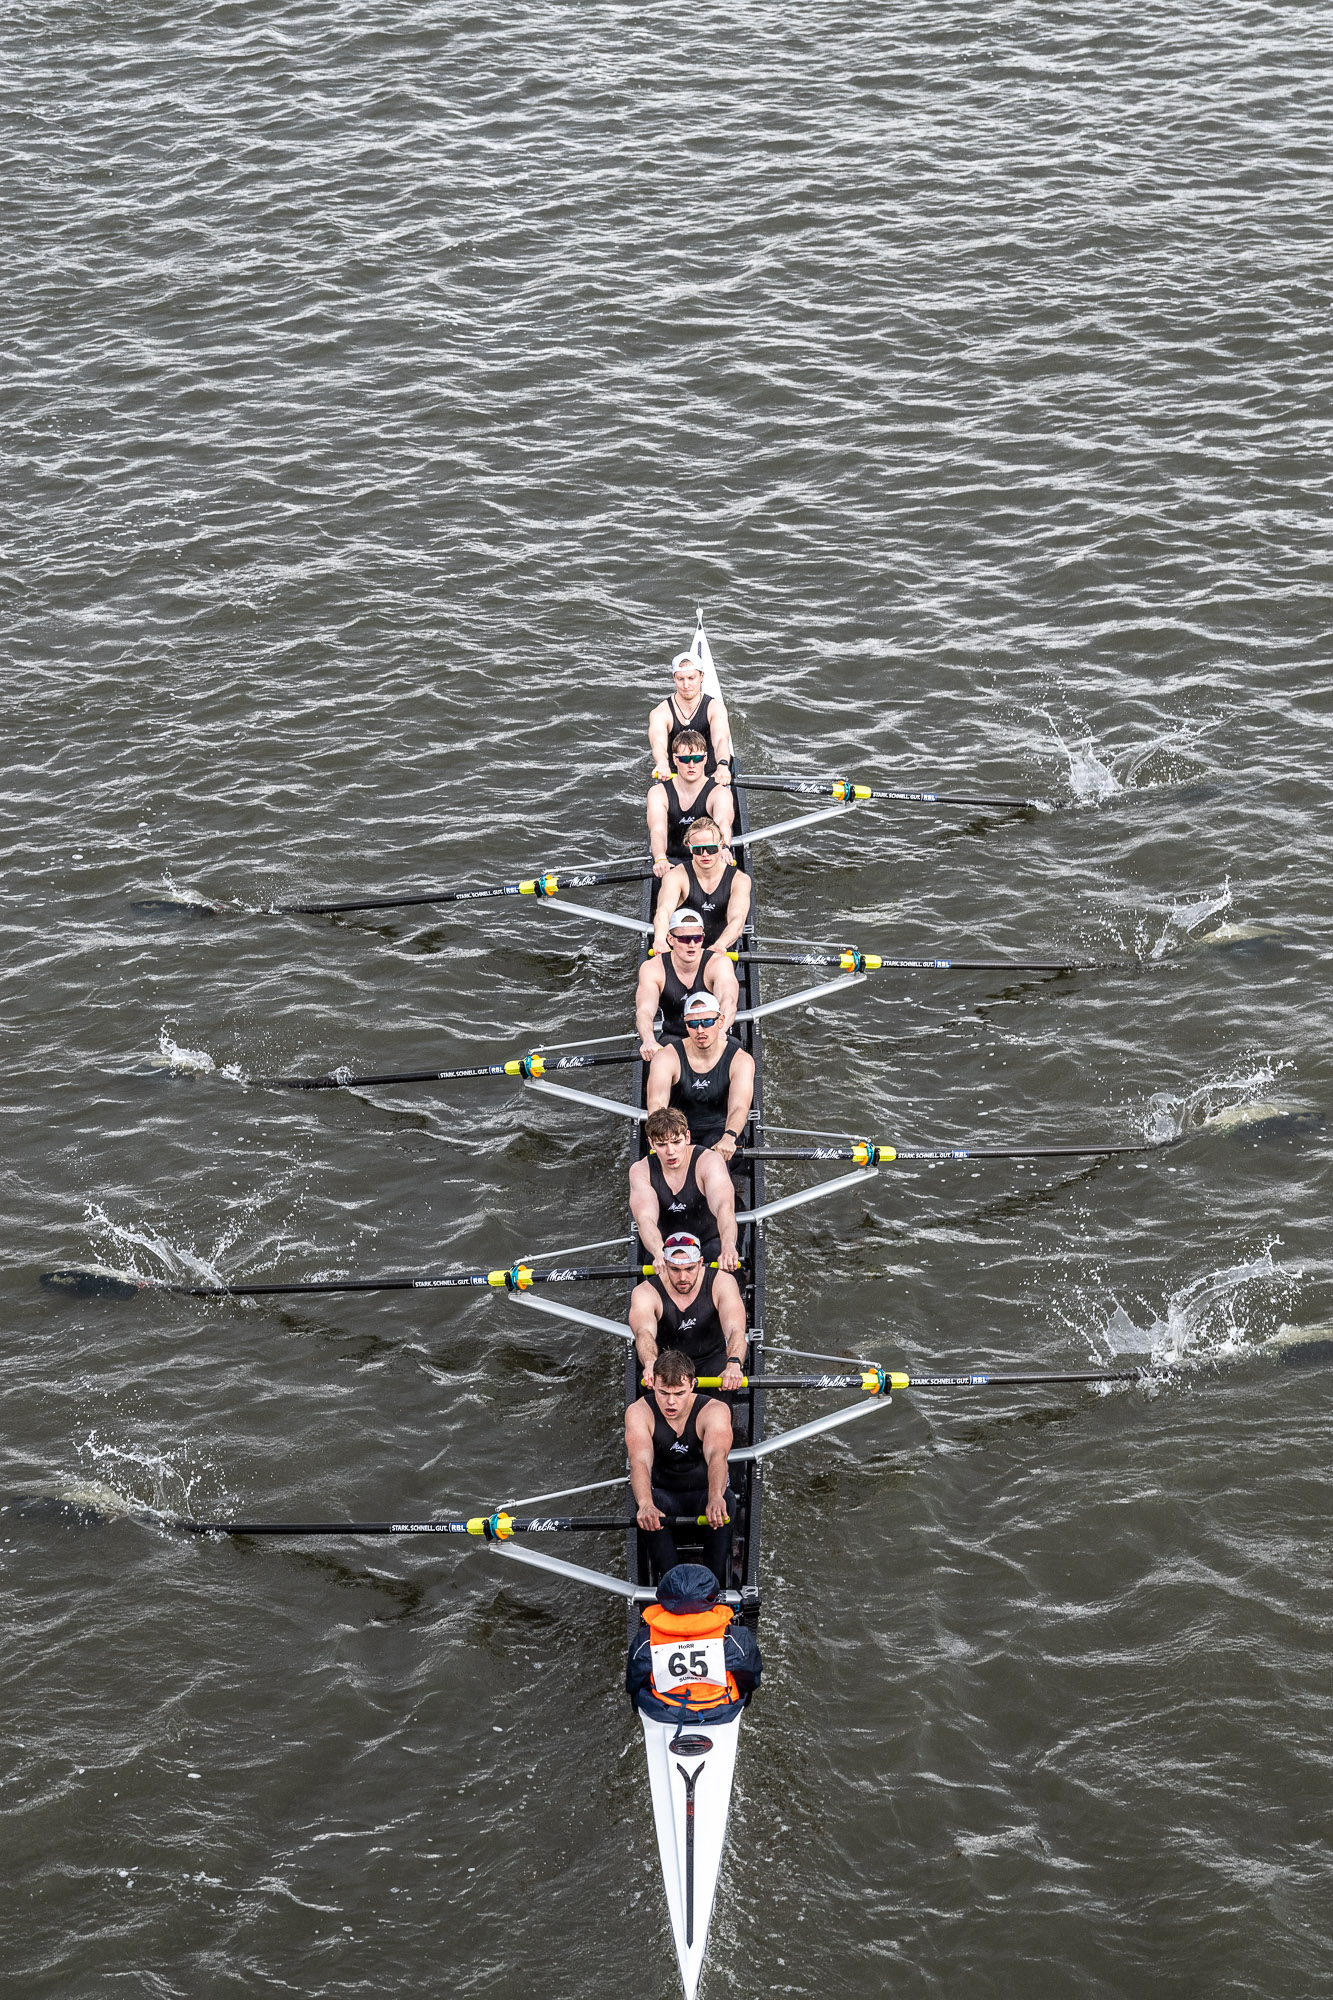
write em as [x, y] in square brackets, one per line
[385, 388]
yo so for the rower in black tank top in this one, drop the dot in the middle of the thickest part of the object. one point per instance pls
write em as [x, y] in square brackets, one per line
[687, 1211]
[702, 1095]
[680, 1486]
[699, 721]
[674, 995]
[711, 904]
[681, 818]
[695, 1329]
[678, 1462]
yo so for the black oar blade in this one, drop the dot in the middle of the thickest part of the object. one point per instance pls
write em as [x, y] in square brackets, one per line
[93, 1281]
[1262, 1120]
[188, 907]
[1306, 1354]
[49, 1507]
[101, 1508]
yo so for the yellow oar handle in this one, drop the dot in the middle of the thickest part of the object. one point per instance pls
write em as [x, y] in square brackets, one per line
[495, 1527]
[518, 1278]
[850, 960]
[847, 793]
[540, 885]
[874, 1381]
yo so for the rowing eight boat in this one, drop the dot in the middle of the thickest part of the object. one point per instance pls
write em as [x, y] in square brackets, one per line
[691, 1770]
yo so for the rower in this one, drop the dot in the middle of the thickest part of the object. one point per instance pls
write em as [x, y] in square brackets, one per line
[688, 707]
[689, 1310]
[677, 1441]
[709, 882]
[707, 1075]
[680, 1188]
[675, 803]
[668, 978]
[691, 1660]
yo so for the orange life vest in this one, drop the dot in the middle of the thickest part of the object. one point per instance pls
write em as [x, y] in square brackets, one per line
[666, 1628]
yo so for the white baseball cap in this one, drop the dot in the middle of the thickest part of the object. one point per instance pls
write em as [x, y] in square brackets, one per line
[683, 1249]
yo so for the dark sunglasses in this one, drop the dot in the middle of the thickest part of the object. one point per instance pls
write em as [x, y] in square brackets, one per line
[698, 847]
[703, 1021]
[687, 937]
[692, 757]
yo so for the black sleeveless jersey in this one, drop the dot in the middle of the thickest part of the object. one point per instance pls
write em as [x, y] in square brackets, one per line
[711, 904]
[678, 1462]
[702, 1094]
[675, 993]
[688, 1210]
[681, 818]
[699, 721]
[695, 1329]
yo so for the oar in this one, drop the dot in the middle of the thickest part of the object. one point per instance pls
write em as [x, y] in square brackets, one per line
[881, 1381]
[864, 1154]
[878, 1399]
[849, 793]
[518, 1066]
[96, 1281]
[853, 960]
[536, 885]
[490, 1527]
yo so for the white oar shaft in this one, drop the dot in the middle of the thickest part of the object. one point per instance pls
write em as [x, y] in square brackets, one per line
[812, 1429]
[815, 1193]
[586, 1097]
[789, 825]
[570, 1250]
[801, 999]
[562, 1492]
[579, 1318]
[561, 904]
[574, 1572]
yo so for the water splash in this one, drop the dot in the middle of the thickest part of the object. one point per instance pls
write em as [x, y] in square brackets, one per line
[1091, 779]
[1220, 1314]
[190, 1062]
[1135, 928]
[185, 897]
[1237, 1097]
[166, 1260]
[185, 1062]
[1182, 918]
[1096, 775]
[137, 1482]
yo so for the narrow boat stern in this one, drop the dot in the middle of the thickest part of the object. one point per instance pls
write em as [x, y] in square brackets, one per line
[690, 1770]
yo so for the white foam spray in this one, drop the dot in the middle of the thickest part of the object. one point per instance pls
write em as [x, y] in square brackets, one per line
[1216, 1315]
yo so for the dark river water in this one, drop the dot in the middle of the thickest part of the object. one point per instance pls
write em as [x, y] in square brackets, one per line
[384, 389]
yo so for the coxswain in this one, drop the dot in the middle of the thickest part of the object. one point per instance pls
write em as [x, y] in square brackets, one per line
[676, 802]
[688, 707]
[710, 882]
[690, 1310]
[682, 1189]
[677, 1441]
[669, 978]
[707, 1075]
[691, 1660]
